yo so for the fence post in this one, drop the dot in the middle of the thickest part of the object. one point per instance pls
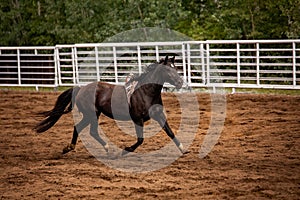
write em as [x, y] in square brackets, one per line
[97, 63]
[184, 62]
[115, 64]
[202, 63]
[238, 64]
[55, 67]
[139, 59]
[157, 53]
[36, 53]
[73, 64]
[294, 65]
[58, 66]
[19, 67]
[76, 66]
[189, 64]
[207, 64]
[257, 64]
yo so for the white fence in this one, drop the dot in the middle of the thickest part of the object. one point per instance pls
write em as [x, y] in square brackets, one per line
[28, 66]
[235, 64]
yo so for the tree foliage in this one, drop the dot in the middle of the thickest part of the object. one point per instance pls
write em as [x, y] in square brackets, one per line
[50, 22]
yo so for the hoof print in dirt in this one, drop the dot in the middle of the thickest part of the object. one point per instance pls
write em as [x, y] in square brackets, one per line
[186, 152]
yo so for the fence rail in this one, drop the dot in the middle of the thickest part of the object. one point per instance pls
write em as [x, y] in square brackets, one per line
[232, 63]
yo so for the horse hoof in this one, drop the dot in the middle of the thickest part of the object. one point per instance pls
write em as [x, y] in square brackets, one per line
[106, 147]
[68, 148]
[65, 150]
[126, 151]
[129, 149]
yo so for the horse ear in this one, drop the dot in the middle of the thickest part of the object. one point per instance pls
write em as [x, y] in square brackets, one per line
[173, 59]
[166, 60]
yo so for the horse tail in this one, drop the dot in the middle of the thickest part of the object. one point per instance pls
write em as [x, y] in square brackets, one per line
[52, 116]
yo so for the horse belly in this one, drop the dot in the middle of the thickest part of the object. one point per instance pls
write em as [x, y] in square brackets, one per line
[118, 112]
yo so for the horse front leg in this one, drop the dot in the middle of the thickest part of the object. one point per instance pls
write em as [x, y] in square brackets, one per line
[139, 129]
[170, 133]
[156, 113]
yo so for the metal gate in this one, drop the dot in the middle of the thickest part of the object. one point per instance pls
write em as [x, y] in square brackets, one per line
[232, 63]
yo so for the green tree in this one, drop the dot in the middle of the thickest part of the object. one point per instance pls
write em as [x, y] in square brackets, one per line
[50, 22]
[241, 19]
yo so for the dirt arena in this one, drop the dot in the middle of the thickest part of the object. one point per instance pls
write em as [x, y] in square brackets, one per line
[257, 155]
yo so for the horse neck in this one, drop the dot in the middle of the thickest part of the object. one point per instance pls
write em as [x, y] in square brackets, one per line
[152, 84]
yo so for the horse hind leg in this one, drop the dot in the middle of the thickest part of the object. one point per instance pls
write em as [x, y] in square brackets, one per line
[94, 133]
[77, 129]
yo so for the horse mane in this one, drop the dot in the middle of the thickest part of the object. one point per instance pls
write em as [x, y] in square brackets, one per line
[149, 68]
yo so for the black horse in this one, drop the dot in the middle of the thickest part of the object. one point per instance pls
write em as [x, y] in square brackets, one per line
[112, 100]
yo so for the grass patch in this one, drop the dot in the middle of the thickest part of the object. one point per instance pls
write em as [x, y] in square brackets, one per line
[32, 89]
[268, 91]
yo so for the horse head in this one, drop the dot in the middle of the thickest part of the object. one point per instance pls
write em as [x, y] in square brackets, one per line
[159, 73]
[169, 72]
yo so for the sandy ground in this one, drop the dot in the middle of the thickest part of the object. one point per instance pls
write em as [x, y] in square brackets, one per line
[256, 157]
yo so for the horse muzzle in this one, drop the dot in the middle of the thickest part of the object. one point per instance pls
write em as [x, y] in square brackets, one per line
[179, 84]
